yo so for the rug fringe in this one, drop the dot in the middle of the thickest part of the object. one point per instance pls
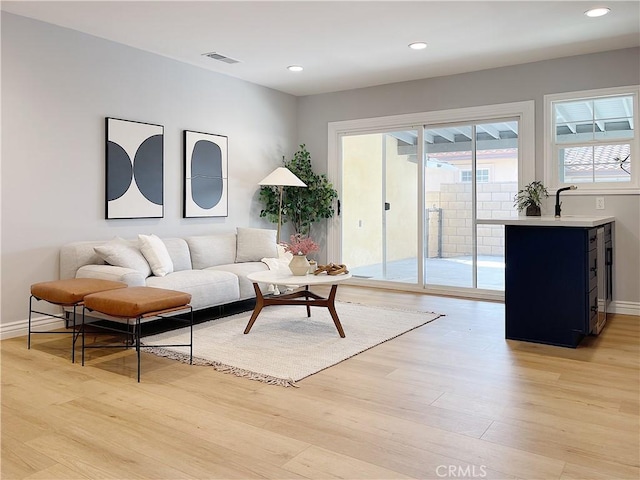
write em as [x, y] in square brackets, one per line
[221, 367]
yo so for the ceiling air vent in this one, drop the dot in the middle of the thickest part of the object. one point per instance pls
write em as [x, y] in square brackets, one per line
[220, 57]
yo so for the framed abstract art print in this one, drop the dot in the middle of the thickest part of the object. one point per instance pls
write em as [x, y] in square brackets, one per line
[134, 169]
[205, 175]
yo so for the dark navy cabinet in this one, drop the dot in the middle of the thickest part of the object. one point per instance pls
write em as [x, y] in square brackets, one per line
[551, 282]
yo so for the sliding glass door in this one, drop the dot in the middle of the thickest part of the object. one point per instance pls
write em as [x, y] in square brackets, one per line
[379, 205]
[449, 208]
[411, 199]
[497, 156]
[470, 172]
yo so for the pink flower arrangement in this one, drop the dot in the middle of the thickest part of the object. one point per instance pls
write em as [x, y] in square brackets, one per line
[299, 245]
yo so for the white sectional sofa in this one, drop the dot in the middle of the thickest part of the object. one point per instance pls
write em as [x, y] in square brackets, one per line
[212, 268]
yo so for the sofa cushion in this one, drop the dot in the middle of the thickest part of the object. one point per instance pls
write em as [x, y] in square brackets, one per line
[179, 253]
[156, 254]
[120, 253]
[210, 250]
[242, 270]
[254, 244]
[131, 277]
[207, 288]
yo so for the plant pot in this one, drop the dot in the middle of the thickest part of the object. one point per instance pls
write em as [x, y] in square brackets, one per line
[533, 211]
[299, 265]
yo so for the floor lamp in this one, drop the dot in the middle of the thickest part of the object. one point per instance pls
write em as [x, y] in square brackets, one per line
[281, 177]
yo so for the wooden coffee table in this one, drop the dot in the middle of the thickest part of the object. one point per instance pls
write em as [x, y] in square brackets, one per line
[299, 297]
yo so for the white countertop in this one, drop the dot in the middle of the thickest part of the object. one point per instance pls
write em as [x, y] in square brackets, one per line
[549, 221]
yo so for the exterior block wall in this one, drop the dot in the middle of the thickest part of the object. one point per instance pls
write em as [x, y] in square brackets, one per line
[450, 224]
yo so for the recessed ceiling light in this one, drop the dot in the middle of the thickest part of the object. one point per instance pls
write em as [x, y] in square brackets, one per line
[597, 12]
[295, 68]
[418, 45]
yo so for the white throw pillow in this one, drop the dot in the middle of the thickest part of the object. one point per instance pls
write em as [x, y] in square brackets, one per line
[120, 253]
[254, 244]
[156, 253]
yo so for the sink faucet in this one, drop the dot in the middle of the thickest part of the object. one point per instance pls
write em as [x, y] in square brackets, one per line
[572, 187]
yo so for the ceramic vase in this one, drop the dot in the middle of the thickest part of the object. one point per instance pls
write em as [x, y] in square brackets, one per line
[299, 265]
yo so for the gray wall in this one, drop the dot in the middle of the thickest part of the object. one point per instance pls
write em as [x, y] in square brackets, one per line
[501, 85]
[58, 86]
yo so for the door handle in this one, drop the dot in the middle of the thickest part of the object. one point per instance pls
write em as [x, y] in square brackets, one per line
[387, 206]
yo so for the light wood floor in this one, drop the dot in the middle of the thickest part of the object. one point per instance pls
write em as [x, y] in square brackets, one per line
[452, 399]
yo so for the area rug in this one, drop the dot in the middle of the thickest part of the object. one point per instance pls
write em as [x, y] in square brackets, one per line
[284, 346]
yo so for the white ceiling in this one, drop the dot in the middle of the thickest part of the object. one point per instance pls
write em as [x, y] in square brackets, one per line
[345, 45]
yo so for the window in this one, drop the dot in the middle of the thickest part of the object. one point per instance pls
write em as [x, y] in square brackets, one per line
[482, 175]
[592, 140]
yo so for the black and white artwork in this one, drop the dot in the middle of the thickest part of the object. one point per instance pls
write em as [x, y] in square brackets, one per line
[205, 175]
[134, 173]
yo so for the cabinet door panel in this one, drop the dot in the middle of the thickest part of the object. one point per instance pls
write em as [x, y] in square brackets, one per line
[593, 269]
[593, 311]
[592, 236]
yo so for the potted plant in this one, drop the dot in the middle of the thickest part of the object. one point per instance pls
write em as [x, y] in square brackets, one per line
[530, 198]
[300, 206]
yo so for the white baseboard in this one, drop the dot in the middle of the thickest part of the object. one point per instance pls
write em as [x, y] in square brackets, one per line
[20, 328]
[625, 308]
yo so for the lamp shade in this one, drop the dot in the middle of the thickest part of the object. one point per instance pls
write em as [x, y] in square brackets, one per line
[282, 177]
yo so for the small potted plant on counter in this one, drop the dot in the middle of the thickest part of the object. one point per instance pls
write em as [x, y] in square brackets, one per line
[530, 198]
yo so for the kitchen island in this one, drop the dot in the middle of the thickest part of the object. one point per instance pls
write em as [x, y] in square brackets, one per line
[558, 277]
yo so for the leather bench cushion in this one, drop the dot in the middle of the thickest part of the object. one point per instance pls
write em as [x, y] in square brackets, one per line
[207, 287]
[72, 290]
[133, 302]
